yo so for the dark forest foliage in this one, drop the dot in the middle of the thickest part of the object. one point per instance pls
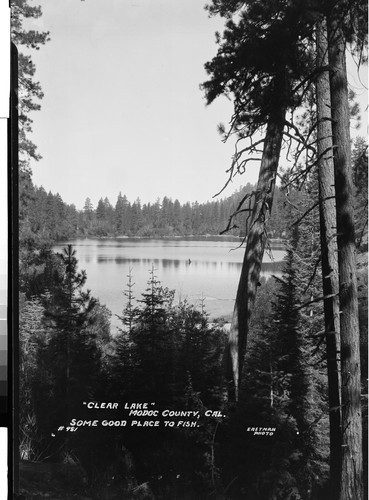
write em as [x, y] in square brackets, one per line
[168, 353]
[49, 218]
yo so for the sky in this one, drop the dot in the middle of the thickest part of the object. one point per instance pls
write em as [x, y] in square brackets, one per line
[123, 111]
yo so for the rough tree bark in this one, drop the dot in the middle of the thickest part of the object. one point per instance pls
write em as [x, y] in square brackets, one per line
[327, 212]
[255, 244]
[352, 464]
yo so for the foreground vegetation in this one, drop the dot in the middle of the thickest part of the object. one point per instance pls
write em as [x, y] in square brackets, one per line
[168, 353]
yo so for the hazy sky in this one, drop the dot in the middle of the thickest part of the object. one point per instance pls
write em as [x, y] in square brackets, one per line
[122, 109]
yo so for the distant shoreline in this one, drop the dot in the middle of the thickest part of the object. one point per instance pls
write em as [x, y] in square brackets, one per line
[214, 237]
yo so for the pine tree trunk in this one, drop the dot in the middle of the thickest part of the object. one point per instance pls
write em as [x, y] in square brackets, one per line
[327, 212]
[352, 467]
[255, 244]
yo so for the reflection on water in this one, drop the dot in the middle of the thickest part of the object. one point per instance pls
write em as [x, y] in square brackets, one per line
[198, 269]
[268, 268]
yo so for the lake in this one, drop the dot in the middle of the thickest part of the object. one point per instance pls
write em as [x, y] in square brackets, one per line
[198, 269]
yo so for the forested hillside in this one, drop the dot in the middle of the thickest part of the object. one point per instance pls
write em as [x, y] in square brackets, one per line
[52, 219]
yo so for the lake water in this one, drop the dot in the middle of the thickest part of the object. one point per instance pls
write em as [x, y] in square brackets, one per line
[198, 269]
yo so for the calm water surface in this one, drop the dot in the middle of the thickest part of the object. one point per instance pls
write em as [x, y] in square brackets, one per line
[197, 269]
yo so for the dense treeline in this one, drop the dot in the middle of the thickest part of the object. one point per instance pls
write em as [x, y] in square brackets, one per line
[52, 219]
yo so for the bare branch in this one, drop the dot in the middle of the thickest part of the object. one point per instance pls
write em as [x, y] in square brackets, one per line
[306, 213]
[317, 262]
[313, 301]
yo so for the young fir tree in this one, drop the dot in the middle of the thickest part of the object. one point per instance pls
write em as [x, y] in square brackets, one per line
[153, 342]
[198, 350]
[124, 358]
[72, 354]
